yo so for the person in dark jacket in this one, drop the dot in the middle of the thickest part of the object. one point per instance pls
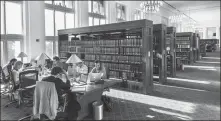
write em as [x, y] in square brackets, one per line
[63, 88]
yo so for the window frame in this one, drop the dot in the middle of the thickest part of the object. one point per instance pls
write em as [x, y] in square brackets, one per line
[123, 12]
[5, 37]
[96, 15]
[64, 9]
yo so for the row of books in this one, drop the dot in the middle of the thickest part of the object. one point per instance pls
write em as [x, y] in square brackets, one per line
[183, 46]
[122, 42]
[115, 58]
[182, 49]
[183, 54]
[182, 38]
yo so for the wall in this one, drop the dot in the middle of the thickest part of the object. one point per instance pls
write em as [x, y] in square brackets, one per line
[34, 19]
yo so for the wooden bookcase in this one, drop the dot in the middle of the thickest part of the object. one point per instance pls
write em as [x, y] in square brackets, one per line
[171, 54]
[159, 46]
[184, 48]
[124, 48]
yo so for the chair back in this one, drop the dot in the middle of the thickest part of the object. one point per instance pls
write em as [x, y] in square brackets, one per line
[28, 78]
[45, 100]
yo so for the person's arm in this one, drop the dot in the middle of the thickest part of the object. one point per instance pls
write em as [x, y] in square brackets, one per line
[15, 76]
[93, 70]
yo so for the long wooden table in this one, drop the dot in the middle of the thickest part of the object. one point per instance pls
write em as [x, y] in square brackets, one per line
[92, 93]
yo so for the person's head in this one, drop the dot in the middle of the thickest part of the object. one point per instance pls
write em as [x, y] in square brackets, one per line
[97, 65]
[56, 58]
[57, 72]
[18, 65]
[79, 64]
[12, 61]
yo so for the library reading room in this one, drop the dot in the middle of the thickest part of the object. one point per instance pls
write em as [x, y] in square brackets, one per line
[110, 60]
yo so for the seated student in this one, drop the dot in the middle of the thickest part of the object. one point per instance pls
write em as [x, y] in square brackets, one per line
[7, 70]
[81, 69]
[15, 73]
[57, 62]
[99, 68]
[64, 88]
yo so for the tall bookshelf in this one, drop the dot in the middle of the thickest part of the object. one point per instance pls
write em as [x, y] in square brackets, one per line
[184, 48]
[171, 55]
[159, 46]
[124, 48]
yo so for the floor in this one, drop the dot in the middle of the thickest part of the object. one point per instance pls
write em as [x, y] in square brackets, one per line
[166, 103]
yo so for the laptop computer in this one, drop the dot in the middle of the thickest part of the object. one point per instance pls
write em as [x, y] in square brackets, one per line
[94, 77]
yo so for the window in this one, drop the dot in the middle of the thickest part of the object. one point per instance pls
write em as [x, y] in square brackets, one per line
[96, 12]
[2, 18]
[91, 21]
[11, 29]
[1, 53]
[49, 23]
[137, 15]
[49, 48]
[69, 20]
[13, 18]
[59, 15]
[13, 49]
[48, 2]
[121, 12]
[59, 21]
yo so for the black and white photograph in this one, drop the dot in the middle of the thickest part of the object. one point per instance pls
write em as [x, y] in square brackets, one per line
[110, 60]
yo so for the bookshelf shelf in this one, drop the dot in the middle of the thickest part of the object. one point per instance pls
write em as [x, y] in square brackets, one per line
[184, 42]
[123, 48]
[171, 58]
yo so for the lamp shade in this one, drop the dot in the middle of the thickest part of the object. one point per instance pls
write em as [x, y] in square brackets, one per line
[74, 59]
[22, 54]
[41, 59]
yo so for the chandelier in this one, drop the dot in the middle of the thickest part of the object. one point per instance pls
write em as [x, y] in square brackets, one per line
[151, 6]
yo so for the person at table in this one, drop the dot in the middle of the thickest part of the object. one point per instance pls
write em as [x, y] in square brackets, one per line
[57, 62]
[63, 88]
[15, 73]
[99, 68]
[7, 70]
[81, 69]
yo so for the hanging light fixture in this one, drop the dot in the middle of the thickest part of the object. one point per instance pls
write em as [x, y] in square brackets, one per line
[176, 18]
[151, 6]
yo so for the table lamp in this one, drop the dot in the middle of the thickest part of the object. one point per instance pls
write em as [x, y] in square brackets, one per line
[22, 55]
[74, 59]
[41, 59]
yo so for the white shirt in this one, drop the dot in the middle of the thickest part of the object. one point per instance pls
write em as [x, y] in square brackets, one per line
[82, 70]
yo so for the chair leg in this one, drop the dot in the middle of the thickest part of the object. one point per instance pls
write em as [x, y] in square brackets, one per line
[26, 117]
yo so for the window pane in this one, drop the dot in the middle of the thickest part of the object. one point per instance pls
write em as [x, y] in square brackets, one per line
[68, 4]
[56, 48]
[89, 6]
[13, 49]
[95, 7]
[58, 3]
[96, 21]
[49, 48]
[59, 20]
[13, 18]
[49, 2]
[90, 21]
[2, 53]
[102, 21]
[49, 23]
[2, 18]
[69, 20]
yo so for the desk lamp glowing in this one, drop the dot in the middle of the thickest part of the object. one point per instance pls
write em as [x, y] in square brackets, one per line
[41, 59]
[22, 55]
